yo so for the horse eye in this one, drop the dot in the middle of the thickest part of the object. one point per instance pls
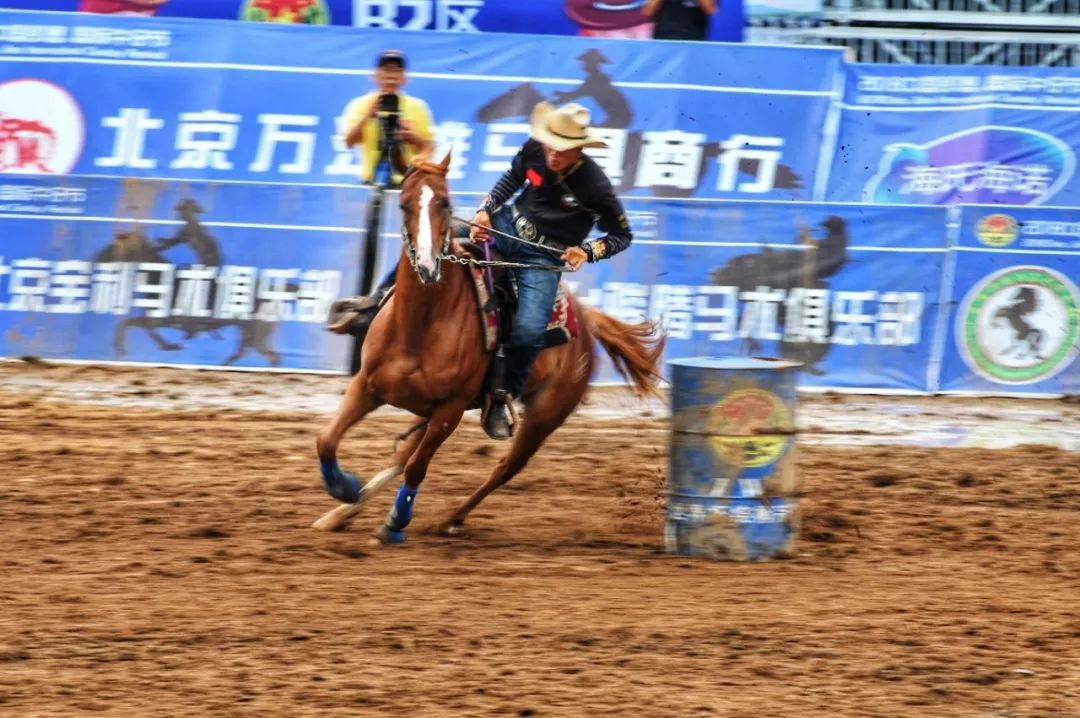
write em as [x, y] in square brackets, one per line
[404, 208]
[444, 203]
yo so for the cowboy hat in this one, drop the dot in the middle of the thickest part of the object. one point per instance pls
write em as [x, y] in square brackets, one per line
[563, 128]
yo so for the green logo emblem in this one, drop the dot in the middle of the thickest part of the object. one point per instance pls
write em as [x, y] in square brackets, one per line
[1020, 325]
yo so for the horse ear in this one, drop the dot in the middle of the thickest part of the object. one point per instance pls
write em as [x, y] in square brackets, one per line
[445, 164]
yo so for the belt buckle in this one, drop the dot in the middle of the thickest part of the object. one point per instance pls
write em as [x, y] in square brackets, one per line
[526, 229]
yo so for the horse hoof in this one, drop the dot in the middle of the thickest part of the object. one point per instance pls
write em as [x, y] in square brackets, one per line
[452, 528]
[387, 537]
[344, 487]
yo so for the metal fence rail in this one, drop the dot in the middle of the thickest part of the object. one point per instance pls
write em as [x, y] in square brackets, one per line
[1013, 33]
[1044, 7]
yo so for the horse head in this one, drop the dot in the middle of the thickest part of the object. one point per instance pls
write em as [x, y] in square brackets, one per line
[425, 226]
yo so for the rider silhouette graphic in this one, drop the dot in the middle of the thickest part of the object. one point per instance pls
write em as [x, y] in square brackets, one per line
[600, 90]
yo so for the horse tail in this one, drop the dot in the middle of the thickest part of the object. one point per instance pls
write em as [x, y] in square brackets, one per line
[635, 349]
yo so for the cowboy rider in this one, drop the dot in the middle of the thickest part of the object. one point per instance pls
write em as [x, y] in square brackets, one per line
[565, 194]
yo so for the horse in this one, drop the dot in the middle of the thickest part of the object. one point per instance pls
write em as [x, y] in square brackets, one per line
[425, 353]
[135, 247]
[1024, 302]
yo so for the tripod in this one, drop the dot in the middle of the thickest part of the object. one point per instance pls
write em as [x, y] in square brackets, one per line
[390, 159]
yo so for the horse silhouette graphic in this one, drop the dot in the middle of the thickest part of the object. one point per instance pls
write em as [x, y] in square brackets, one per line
[253, 334]
[1027, 339]
[791, 269]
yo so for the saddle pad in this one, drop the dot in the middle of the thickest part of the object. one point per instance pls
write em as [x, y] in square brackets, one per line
[562, 325]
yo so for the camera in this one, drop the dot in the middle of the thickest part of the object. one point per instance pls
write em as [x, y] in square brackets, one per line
[389, 110]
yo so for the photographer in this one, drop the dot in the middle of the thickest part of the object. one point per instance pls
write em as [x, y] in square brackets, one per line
[391, 127]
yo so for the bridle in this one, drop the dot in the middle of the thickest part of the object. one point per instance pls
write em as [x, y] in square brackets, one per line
[444, 252]
[406, 239]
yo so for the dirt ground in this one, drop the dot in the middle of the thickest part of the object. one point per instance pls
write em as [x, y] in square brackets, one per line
[158, 560]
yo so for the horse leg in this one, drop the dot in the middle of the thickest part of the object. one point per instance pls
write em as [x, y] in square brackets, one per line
[335, 519]
[120, 338]
[355, 405]
[443, 421]
[163, 345]
[243, 341]
[262, 333]
[544, 413]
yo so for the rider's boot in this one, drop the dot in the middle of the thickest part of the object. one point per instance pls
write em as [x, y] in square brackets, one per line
[353, 315]
[496, 415]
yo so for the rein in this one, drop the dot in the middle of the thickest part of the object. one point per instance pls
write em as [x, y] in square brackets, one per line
[410, 250]
[488, 263]
[553, 250]
[502, 263]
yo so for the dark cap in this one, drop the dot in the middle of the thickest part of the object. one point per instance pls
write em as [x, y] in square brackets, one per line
[390, 57]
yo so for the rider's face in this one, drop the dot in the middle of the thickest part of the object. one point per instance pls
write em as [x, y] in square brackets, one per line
[389, 78]
[561, 160]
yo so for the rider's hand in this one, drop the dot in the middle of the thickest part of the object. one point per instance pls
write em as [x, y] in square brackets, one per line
[481, 225]
[575, 257]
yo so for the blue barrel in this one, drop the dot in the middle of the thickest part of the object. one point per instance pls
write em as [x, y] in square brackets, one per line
[733, 476]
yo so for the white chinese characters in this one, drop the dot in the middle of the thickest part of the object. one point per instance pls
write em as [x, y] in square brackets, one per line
[161, 290]
[797, 315]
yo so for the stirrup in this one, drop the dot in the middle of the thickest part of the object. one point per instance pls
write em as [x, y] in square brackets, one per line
[498, 418]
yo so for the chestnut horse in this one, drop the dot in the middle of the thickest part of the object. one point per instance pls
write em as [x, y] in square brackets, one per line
[425, 353]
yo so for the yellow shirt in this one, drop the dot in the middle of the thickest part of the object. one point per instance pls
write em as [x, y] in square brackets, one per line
[413, 110]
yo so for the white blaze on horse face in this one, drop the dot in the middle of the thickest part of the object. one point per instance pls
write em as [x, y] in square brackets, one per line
[423, 236]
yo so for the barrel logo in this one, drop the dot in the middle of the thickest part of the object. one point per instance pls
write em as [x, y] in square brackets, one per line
[750, 428]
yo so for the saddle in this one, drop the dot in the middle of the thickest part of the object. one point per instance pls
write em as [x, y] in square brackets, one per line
[497, 306]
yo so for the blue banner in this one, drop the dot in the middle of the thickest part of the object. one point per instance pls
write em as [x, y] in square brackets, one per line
[610, 18]
[1015, 326]
[595, 18]
[958, 135]
[176, 273]
[191, 99]
[308, 12]
[851, 291]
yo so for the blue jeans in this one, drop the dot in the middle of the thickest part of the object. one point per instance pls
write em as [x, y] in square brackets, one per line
[537, 290]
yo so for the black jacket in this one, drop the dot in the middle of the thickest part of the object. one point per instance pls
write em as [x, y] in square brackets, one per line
[564, 210]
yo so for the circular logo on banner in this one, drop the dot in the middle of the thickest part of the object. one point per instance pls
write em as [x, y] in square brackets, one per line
[297, 12]
[743, 422]
[41, 128]
[1020, 325]
[997, 230]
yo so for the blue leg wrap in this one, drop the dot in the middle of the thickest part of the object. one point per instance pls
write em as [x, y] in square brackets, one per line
[401, 514]
[342, 485]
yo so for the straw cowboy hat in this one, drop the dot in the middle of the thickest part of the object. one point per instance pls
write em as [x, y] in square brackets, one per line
[563, 128]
